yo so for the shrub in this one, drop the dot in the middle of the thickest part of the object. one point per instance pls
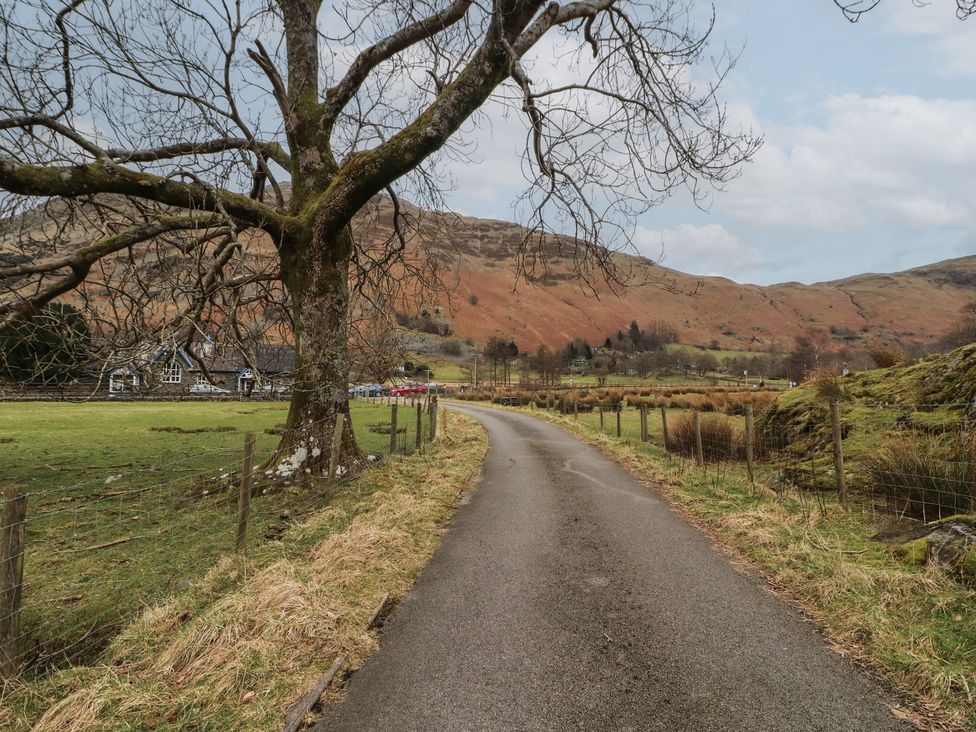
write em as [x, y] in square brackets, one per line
[452, 347]
[720, 438]
[886, 355]
[926, 476]
[473, 299]
[829, 387]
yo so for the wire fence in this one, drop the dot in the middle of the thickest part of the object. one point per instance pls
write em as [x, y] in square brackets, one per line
[899, 462]
[81, 559]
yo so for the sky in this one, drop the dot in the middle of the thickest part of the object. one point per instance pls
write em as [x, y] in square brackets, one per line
[869, 159]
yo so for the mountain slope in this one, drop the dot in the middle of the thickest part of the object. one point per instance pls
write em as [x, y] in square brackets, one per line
[918, 305]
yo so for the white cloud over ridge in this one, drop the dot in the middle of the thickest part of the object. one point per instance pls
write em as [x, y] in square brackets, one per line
[891, 159]
[707, 249]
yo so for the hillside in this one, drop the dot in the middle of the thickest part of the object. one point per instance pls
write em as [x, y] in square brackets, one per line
[917, 305]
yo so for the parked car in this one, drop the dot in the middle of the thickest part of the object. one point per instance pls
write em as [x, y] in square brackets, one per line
[408, 389]
[205, 388]
[366, 390]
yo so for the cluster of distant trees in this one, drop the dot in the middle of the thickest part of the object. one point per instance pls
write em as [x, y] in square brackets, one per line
[642, 352]
[636, 351]
[654, 337]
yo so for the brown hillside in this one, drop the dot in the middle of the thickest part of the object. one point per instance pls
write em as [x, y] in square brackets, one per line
[916, 305]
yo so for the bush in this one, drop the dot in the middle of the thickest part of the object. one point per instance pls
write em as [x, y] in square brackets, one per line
[927, 476]
[886, 355]
[721, 440]
[829, 387]
[473, 299]
[452, 347]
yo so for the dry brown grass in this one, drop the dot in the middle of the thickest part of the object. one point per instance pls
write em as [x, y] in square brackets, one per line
[236, 648]
[829, 387]
[721, 440]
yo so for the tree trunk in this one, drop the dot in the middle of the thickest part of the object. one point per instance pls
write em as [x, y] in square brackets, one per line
[316, 275]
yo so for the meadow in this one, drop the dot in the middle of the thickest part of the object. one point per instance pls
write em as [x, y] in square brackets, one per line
[116, 518]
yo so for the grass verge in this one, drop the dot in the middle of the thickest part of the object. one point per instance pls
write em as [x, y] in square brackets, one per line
[914, 625]
[113, 524]
[236, 644]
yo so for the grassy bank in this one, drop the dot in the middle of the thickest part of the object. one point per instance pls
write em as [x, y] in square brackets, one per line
[914, 625]
[242, 641]
[114, 516]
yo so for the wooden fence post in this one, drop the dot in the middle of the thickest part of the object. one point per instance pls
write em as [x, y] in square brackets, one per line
[601, 417]
[664, 426]
[393, 429]
[244, 496]
[643, 423]
[620, 409]
[575, 407]
[420, 427]
[750, 442]
[432, 411]
[336, 449]
[699, 448]
[838, 454]
[11, 578]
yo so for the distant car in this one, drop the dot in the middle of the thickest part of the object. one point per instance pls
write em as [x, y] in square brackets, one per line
[408, 389]
[366, 390]
[208, 389]
[273, 388]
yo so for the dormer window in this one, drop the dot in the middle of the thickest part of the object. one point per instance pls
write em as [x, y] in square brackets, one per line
[172, 373]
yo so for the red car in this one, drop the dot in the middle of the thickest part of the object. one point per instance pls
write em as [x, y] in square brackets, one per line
[408, 389]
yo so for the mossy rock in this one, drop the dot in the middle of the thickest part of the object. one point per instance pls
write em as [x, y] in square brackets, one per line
[967, 565]
[949, 542]
[914, 553]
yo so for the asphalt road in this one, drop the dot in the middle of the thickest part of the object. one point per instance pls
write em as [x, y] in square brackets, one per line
[566, 596]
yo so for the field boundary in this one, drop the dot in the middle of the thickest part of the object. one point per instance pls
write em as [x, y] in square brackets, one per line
[754, 528]
[242, 644]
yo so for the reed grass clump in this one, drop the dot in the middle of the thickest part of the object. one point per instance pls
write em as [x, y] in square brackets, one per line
[926, 476]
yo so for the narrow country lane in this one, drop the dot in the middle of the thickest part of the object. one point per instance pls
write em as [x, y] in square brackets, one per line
[566, 596]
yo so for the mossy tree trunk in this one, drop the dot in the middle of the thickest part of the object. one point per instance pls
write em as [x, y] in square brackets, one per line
[315, 271]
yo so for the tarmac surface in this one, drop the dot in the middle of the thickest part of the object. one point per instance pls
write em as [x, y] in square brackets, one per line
[567, 596]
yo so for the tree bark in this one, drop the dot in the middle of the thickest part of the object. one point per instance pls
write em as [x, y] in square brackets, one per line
[316, 275]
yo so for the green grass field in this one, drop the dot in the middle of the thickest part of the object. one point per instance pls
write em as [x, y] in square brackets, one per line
[236, 640]
[112, 525]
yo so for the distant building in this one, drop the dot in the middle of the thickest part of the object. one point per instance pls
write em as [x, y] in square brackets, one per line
[205, 369]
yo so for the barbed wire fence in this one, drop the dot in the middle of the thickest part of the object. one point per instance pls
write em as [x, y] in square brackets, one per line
[79, 561]
[897, 462]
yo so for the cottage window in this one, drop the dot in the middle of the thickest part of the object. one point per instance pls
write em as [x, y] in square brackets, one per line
[122, 381]
[173, 373]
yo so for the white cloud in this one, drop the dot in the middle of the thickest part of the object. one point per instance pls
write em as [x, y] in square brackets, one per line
[950, 38]
[698, 249]
[867, 161]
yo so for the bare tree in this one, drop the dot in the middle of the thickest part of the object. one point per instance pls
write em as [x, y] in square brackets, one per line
[184, 135]
[854, 9]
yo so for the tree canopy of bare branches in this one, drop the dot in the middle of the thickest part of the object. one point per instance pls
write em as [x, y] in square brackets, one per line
[854, 9]
[180, 135]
